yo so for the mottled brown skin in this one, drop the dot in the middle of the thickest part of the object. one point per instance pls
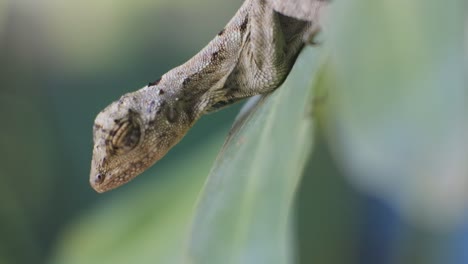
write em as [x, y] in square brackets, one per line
[252, 55]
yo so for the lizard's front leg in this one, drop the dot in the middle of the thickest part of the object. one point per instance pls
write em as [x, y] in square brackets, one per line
[274, 42]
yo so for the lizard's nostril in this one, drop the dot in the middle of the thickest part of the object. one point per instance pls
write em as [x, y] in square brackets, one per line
[99, 178]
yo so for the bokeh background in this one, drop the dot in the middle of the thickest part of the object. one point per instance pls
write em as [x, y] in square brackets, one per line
[61, 62]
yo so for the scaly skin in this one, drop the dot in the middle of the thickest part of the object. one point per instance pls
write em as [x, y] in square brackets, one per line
[252, 55]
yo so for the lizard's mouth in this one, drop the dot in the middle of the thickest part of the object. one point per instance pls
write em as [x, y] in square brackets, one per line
[102, 182]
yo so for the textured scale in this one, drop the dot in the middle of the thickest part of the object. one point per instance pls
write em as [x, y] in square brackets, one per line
[252, 55]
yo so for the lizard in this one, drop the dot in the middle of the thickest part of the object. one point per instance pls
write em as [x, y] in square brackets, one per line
[252, 55]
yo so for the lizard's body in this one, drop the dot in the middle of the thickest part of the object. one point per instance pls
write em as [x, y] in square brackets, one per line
[252, 55]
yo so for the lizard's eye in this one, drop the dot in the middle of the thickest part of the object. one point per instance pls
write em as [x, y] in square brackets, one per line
[99, 178]
[125, 137]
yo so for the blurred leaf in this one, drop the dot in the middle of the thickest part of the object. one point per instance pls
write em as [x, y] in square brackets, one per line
[142, 223]
[244, 215]
[3, 17]
[328, 213]
[398, 118]
[105, 31]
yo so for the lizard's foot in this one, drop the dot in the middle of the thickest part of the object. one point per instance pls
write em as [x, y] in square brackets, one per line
[312, 37]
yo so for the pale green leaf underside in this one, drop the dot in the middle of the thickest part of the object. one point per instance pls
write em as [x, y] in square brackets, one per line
[244, 211]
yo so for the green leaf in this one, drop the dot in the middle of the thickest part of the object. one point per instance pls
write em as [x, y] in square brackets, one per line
[398, 118]
[244, 214]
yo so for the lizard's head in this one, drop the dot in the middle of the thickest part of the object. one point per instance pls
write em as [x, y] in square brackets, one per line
[133, 133]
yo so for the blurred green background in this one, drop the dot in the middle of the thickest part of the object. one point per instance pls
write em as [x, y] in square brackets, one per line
[387, 181]
[62, 62]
